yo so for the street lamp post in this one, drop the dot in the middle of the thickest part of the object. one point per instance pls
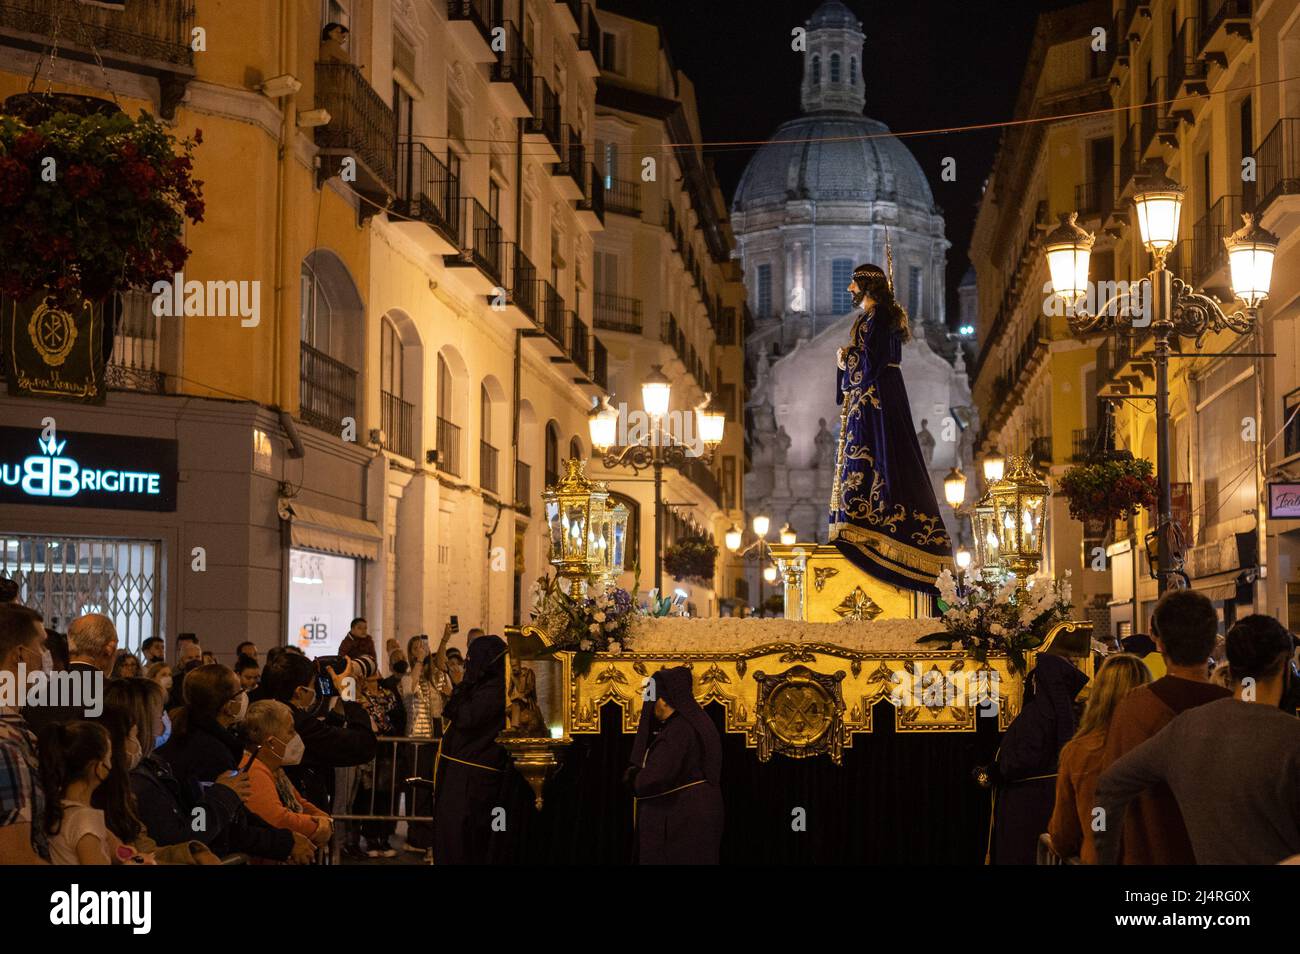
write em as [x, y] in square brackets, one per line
[1176, 309]
[655, 450]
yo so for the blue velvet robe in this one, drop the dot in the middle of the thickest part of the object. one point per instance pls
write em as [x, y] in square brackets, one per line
[884, 516]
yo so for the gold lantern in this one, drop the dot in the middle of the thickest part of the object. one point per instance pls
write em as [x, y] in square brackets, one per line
[988, 558]
[598, 532]
[575, 507]
[1019, 506]
[615, 541]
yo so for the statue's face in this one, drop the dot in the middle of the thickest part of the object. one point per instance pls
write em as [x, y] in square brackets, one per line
[858, 294]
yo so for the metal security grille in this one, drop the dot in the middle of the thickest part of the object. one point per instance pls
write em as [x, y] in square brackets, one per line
[66, 577]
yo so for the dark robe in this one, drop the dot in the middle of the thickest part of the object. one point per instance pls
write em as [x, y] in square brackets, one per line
[1027, 760]
[676, 779]
[884, 516]
[470, 771]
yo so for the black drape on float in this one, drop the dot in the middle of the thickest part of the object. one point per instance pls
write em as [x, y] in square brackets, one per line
[884, 516]
[898, 798]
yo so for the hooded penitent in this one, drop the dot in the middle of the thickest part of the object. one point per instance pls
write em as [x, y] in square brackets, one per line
[674, 687]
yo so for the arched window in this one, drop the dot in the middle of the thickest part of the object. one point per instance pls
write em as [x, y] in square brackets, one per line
[835, 67]
[853, 71]
[485, 414]
[575, 448]
[330, 316]
[396, 412]
[448, 432]
[487, 452]
[552, 454]
[817, 70]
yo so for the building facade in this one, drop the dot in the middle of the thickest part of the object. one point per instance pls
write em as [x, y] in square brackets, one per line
[1036, 383]
[417, 209]
[668, 294]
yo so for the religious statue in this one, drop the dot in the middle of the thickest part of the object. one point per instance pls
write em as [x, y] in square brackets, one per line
[782, 446]
[884, 516]
[823, 447]
[926, 440]
[524, 716]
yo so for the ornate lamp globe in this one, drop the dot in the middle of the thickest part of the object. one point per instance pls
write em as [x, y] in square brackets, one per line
[602, 424]
[1069, 248]
[994, 465]
[1251, 250]
[575, 506]
[954, 488]
[712, 422]
[1019, 500]
[788, 535]
[761, 525]
[656, 392]
[987, 555]
[769, 573]
[1159, 204]
[733, 538]
[963, 559]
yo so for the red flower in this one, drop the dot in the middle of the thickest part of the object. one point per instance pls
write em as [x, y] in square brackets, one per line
[28, 144]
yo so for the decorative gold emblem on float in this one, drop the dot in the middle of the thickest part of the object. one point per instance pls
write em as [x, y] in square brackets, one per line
[858, 605]
[53, 332]
[800, 714]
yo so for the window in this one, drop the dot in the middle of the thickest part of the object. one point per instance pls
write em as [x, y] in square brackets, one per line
[1291, 435]
[575, 448]
[729, 483]
[402, 110]
[914, 290]
[764, 292]
[444, 388]
[494, 200]
[315, 313]
[835, 67]
[390, 359]
[609, 53]
[526, 223]
[336, 11]
[1246, 129]
[817, 70]
[853, 71]
[552, 454]
[606, 265]
[611, 163]
[841, 275]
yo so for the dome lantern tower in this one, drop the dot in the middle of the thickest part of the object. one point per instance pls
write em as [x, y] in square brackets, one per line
[832, 71]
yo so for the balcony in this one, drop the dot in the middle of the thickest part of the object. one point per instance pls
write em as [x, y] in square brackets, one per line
[542, 130]
[570, 172]
[512, 74]
[482, 248]
[1277, 171]
[1209, 255]
[1094, 199]
[469, 22]
[136, 361]
[361, 128]
[327, 390]
[550, 330]
[591, 207]
[1152, 119]
[1040, 450]
[428, 194]
[579, 346]
[523, 487]
[1089, 441]
[150, 39]
[449, 461]
[398, 423]
[1187, 73]
[618, 313]
[521, 288]
[1219, 22]
[697, 472]
[623, 196]
[487, 466]
[599, 364]
[588, 39]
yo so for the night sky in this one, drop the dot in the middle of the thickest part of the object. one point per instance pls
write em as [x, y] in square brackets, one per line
[928, 64]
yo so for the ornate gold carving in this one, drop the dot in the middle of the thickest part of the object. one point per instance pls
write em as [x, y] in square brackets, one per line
[800, 714]
[858, 605]
[714, 674]
[795, 655]
[821, 574]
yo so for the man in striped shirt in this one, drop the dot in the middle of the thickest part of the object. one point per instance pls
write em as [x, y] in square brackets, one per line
[22, 800]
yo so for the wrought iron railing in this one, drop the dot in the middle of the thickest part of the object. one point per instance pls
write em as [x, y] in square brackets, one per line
[552, 312]
[361, 123]
[1089, 441]
[398, 421]
[573, 163]
[1040, 449]
[622, 195]
[1215, 13]
[523, 284]
[1277, 166]
[589, 34]
[449, 447]
[618, 313]
[514, 64]
[473, 11]
[487, 466]
[136, 362]
[545, 120]
[579, 352]
[481, 241]
[593, 199]
[157, 30]
[427, 190]
[697, 472]
[1184, 66]
[327, 390]
[523, 487]
[1094, 198]
[1150, 113]
[1208, 253]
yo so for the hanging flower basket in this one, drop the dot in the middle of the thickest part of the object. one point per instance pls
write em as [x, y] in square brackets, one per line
[693, 558]
[1111, 489]
[92, 202]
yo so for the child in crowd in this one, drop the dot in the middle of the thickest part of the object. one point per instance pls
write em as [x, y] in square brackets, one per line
[76, 758]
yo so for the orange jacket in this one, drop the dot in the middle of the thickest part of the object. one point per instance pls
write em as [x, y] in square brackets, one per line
[264, 802]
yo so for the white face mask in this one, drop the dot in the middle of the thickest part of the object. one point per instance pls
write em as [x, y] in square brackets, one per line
[243, 706]
[293, 751]
[133, 752]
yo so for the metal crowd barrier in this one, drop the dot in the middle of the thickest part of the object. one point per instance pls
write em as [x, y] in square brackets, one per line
[1047, 854]
[402, 770]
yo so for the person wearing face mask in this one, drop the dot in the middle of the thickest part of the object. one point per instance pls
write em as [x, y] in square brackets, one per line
[138, 725]
[336, 733]
[76, 759]
[22, 794]
[273, 744]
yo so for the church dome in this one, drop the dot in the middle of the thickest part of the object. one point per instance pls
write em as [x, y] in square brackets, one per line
[832, 14]
[833, 156]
